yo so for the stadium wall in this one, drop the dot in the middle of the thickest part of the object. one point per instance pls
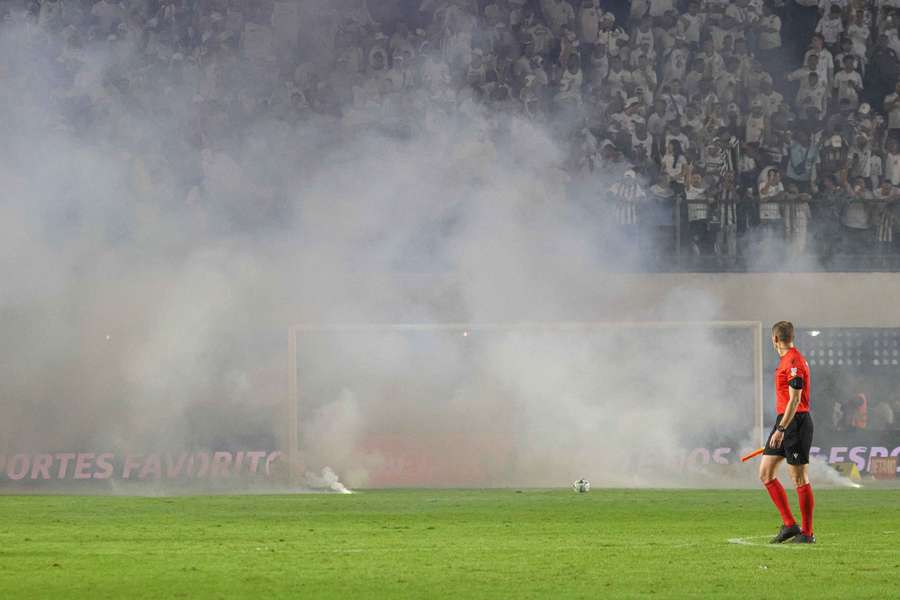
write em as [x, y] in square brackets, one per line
[810, 300]
[807, 299]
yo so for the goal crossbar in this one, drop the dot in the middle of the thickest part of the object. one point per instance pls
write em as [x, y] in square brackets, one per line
[561, 325]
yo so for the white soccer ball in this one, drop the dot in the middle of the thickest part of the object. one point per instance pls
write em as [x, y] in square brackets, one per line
[581, 486]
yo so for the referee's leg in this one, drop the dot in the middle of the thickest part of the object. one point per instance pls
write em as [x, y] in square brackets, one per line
[799, 474]
[767, 469]
[797, 451]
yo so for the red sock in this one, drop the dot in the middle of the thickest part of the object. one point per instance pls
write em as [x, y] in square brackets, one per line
[807, 503]
[779, 497]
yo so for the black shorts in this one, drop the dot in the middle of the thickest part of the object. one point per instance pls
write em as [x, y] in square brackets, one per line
[797, 440]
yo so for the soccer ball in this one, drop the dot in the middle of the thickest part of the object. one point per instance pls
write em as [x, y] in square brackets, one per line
[581, 486]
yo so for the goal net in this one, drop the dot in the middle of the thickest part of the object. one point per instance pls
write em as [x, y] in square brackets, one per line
[522, 404]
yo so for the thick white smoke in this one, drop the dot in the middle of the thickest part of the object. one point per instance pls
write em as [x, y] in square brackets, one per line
[149, 277]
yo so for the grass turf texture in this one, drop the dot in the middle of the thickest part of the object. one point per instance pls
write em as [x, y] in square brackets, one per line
[446, 544]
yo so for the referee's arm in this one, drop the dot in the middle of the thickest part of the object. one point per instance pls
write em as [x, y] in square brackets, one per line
[795, 387]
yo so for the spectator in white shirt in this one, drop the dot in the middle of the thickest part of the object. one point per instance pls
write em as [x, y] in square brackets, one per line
[641, 142]
[884, 197]
[892, 163]
[558, 13]
[698, 214]
[825, 58]
[694, 77]
[570, 83]
[674, 165]
[690, 25]
[643, 35]
[796, 219]
[589, 22]
[665, 31]
[598, 68]
[831, 26]
[846, 51]
[770, 185]
[614, 38]
[656, 126]
[676, 64]
[810, 66]
[618, 79]
[723, 35]
[769, 27]
[859, 32]
[675, 99]
[892, 108]
[769, 98]
[713, 62]
[755, 125]
[856, 219]
[814, 94]
[675, 133]
[848, 83]
[770, 189]
[865, 163]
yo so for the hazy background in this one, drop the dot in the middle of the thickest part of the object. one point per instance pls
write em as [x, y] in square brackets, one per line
[152, 262]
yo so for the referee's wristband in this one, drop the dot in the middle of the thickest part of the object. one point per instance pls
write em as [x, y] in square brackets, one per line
[780, 428]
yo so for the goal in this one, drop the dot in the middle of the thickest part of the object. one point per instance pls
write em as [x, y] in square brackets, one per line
[497, 397]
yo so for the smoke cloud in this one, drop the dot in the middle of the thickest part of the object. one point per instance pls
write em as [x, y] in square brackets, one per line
[153, 260]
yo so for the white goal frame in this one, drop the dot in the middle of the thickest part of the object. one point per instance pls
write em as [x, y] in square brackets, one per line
[291, 409]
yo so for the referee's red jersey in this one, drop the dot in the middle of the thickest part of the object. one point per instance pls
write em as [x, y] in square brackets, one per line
[792, 365]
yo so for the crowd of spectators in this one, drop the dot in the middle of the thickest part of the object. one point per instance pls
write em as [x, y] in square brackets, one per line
[713, 126]
[856, 414]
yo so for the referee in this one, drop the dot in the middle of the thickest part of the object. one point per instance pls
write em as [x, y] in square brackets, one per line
[791, 438]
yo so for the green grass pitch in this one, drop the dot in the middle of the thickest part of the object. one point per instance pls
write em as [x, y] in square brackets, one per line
[447, 544]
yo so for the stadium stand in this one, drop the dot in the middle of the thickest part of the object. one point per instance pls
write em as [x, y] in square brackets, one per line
[740, 124]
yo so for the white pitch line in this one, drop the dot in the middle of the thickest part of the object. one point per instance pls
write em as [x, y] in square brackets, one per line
[741, 541]
[745, 541]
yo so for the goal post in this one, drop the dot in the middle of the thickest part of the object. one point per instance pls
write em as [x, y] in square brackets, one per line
[303, 339]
